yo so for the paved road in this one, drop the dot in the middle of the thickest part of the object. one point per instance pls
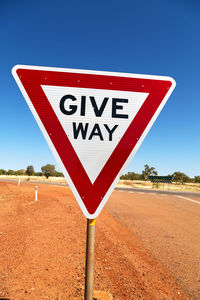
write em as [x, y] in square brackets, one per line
[169, 226]
[158, 191]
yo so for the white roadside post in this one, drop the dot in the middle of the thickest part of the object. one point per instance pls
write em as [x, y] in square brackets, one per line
[36, 189]
[19, 182]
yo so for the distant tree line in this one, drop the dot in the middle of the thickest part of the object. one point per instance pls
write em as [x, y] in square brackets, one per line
[144, 176]
[178, 177]
[47, 171]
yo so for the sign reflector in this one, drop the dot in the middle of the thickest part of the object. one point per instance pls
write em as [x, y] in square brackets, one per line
[94, 122]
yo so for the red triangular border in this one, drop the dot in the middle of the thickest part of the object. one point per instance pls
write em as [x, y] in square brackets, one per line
[92, 194]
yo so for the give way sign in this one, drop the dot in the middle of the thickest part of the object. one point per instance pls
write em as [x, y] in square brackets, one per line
[94, 122]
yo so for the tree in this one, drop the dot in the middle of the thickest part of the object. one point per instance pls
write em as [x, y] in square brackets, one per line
[18, 172]
[2, 172]
[180, 177]
[10, 172]
[38, 173]
[58, 174]
[148, 171]
[30, 170]
[131, 176]
[48, 170]
[197, 179]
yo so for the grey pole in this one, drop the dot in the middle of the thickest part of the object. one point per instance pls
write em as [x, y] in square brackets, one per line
[89, 265]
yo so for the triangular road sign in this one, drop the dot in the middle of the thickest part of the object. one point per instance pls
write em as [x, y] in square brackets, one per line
[94, 122]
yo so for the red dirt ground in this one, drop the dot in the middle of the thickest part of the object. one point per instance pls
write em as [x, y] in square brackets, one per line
[42, 250]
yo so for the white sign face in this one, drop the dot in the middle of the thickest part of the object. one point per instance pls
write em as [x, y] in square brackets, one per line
[94, 122]
[86, 117]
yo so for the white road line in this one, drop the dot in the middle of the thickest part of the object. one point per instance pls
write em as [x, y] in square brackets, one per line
[188, 199]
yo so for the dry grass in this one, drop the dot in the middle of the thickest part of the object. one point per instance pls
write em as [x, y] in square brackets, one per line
[4, 197]
[34, 178]
[187, 187]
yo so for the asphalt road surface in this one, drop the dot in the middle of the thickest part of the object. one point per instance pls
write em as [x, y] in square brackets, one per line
[168, 225]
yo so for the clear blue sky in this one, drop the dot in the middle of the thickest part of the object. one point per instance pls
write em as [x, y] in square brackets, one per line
[144, 37]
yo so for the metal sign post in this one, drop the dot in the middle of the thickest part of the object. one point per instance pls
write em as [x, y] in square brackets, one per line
[89, 265]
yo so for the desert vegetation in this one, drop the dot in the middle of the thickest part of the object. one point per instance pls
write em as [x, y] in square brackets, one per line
[47, 171]
[178, 177]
